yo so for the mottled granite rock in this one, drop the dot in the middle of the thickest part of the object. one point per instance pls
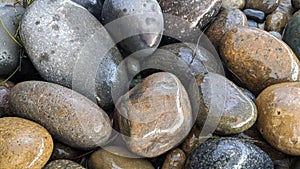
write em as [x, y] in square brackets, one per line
[63, 164]
[276, 21]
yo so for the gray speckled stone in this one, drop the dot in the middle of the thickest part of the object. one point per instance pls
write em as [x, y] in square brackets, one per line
[70, 117]
[9, 50]
[228, 153]
[64, 42]
[63, 164]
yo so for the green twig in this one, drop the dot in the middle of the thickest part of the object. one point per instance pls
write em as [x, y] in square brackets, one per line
[10, 35]
[6, 80]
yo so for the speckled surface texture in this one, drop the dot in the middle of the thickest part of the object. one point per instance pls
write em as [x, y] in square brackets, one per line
[228, 153]
[276, 21]
[23, 144]
[267, 6]
[175, 159]
[67, 115]
[258, 59]
[233, 4]
[279, 117]
[63, 164]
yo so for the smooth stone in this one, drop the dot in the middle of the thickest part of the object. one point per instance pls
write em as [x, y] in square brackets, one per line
[61, 151]
[276, 34]
[256, 15]
[278, 118]
[11, 2]
[290, 37]
[198, 13]
[258, 59]
[4, 93]
[238, 112]
[93, 6]
[267, 6]
[63, 164]
[286, 7]
[155, 115]
[143, 19]
[70, 117]
[233, 4]
[261, 26]
[276, 21]
[133, 66]
[191, 141]
[9, 50]
[175, 159]
[23, 143]
[116, 157]
[296, 4]
[64, 41]
[228, 153]
[225, 21]
[248, 93]
[296, 14]
[252, 23]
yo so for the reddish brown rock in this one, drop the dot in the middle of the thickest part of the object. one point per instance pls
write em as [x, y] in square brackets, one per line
[276, 21]
[258, 59]
[156, 115]
[279, 116]
[175, 160]
[263, 5]
[23, 144]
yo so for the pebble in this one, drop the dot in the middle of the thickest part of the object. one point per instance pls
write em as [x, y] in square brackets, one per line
[248, 93]
[116, 157]
[238, 112]
[276, 21]
[252, 23]
[296, 4]
[23, 143]
[233, 4]
[276, 34]
[63, 164]
[267, 7]
[228, 153]
[286, 7]
[278, 118]
[143, 18]
[290, 37]
[70, 117]
[9, 50]
[256, 15]
[258, 59]
[175, 160]
[93, 6]
[296, 14]
[64, 41]
[155, 115]
[4, 93]
[225, 21]
[61, 151]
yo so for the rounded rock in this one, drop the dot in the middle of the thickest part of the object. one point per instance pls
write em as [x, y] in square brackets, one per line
[276, 34]
[61, 151]
[63, 164]
[68, 116]
[267, 6]
[93, 6]
[285, 6]
[256, 15]
[276, 21]
[291, 33]
[23, 143]
[175, 159]
[233, 4]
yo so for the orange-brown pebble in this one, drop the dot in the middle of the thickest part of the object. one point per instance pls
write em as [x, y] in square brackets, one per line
[279, 116]
[258, 59]
[23, 144]
[175, 160]
[276, 21]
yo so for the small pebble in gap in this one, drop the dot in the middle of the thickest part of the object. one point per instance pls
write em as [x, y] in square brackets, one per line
[256, 15]
[296, 14]
[233, 4]
[191, 141]
[228, 153]
[4, 93]
[93, 6]
[290, 36]
[279, 117]
[61, 151]
[63, 164]
[266, 7]
[296, 4]
[133, 66]
[276, 21]
[175, 159]
[23, 143]
[252, 23]
[248, 93]
[276, 34]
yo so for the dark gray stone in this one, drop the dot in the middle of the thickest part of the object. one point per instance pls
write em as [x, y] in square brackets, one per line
[291, 35]
[256, 15]
[94, 6]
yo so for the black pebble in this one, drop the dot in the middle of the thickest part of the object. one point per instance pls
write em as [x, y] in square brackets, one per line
[256, 15]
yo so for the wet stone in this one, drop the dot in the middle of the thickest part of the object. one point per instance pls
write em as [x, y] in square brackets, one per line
[252, 23]
[227, 153]
[150, 116]
[175, 159]
[278, 119]
[233, 4]
[225, 21]
[116, 157]
[290, 37]
[276, 21]
[296, 4]
[70, 117]
[63, 164]
[61, 151]
[265, 6]
[258, 59]
[4, 93]
[93, 6]
[256, 15]
[23, 143]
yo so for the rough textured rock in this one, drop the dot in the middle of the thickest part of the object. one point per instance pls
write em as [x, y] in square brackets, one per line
[61, 151]
[256, 15]
[63, 164]
[69, 46]
[68, 116]
[191, 141]
[278, 118]
[9, 50]
[228, 153]
[258, 59]
[23, 143]
[266, 6]
[233, 4]
[155, 115]
[290, 36]
[276, 21]
[116, 157]
[175, 159]
[4, 93]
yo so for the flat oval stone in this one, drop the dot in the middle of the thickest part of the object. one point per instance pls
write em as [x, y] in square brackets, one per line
[238, 112]
[258, 59]
[256, 15]
[276, 21]
[225, 21]
[276, 34]
[68, 116]
[291, 30]
[175, 159]
[23, 143]
[155, 115]
[233, 4]
[267, 6]
[116, 157]
[278, 118]
[63, 164]
[61, 151]
[228, 153]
